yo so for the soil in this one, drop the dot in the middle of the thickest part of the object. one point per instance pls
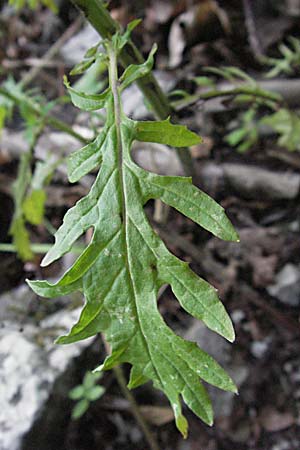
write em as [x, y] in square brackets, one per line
[266, 414]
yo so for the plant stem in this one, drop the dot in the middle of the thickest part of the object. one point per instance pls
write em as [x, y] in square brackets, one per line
[254, 41]
[32, 74]
[49, 120]
[216, 93]
[118, 372]
[99, 17]
[153, 445]
[36, 248]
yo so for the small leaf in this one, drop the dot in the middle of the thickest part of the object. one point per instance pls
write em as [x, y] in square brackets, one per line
[91, 52]
[2, 116]
[82, 66]
[204, 81]
[88, 102]
[287, 124]
[236, 136]
[90, 379]
[21, 239]
[95, 393]
[133, 24]
[76, 393]
[120, 40]
[33, 207]
[136, 71]
[80, 408]
[238, 73]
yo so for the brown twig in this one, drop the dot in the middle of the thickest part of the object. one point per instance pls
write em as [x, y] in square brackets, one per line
[134, 407]
[44, 62]
[254, 42]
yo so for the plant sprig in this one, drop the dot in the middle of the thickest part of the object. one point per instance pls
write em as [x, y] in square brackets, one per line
[125, 264]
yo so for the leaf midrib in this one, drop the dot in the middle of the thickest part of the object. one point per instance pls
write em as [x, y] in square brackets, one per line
[113, 76]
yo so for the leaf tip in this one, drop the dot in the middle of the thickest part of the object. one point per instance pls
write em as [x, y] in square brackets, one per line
[210, 422]
[231, 335]
[182, 425]
[66, 81]
[153, 50]
[29, 282]
[61, 340]
[34, 285]
[98, 369]
[48, 259]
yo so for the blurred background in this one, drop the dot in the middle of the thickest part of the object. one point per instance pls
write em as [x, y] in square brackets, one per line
[231, 70]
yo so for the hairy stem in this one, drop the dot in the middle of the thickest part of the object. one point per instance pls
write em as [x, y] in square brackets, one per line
[99, 17]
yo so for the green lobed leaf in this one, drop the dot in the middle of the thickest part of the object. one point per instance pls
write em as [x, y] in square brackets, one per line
[125, 264]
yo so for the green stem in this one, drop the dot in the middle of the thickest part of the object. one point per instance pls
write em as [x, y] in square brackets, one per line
[37, 248]
[214, 93]
[99, 17]
[49, 120]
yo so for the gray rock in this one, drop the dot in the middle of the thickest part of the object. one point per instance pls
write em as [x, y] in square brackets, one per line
[157, 158]
[260, 348]
[14, 306]
[30, 364]
[222, 352]
[74, 50]
[287, 285]
[254, 182]
[237, 316]
[210, 342]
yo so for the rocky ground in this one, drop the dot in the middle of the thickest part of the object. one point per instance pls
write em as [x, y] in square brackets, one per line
[258, 279]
